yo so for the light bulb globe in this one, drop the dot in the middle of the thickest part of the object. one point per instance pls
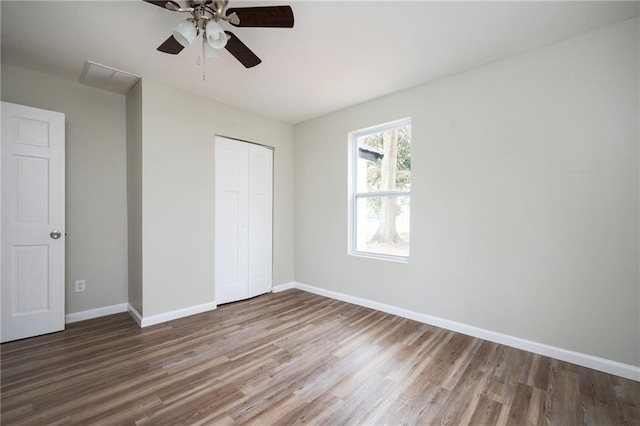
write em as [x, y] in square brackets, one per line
[185, 33]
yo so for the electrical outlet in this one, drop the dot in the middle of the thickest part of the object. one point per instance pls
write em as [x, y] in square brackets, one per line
[80, 285]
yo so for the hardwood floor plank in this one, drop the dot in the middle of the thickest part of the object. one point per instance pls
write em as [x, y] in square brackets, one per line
[527, 406]
[566, 394]
[116, 410]
[295, 358]
[276, 412]
[487, 412]
[535, 371]
[462, 402]
[372, 390]
[312, 412]
[413, 360]
[9, 415]
[411, 403]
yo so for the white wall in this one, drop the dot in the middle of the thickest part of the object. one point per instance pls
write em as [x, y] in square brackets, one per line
[178, 131]
[134, 195]
[96, 215]
[524, 198]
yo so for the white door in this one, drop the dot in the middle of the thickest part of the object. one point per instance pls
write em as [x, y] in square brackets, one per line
[243, 220]
[260, 219]
[232, 209]
[33, 198]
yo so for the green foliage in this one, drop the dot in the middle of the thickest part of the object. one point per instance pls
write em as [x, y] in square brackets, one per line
[403, 165]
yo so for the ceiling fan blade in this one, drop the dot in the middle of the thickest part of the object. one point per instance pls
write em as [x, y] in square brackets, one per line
[241, 52]
[263, 16]
[163, 3]
[171, 46]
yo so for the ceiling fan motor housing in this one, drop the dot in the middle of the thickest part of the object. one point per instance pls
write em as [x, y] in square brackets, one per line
[202, 16]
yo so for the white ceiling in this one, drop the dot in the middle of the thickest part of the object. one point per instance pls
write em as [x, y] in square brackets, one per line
[338, 54]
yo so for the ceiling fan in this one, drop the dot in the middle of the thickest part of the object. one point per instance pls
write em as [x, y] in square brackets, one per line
[205, 15]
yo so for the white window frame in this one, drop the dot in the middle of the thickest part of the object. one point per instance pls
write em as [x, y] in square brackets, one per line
[355, 195]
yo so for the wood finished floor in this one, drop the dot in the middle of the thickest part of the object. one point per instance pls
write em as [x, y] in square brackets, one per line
[291, 358]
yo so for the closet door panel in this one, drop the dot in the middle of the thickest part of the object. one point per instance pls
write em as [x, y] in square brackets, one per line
[260, 219]
[231, 222]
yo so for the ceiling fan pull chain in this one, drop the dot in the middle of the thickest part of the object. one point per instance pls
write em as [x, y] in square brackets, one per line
[204, 60]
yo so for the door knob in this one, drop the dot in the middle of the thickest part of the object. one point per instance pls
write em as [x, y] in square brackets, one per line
[55, 234]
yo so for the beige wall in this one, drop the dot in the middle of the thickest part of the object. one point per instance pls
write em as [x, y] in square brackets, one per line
[152, 150]
[134, 195]
[178, 131]
[524, 202]
[96, 215]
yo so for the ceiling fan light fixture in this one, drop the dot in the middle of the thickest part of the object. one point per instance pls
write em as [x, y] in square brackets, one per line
[185, 33]
[215, 35]
[205, 15]
[208, 51]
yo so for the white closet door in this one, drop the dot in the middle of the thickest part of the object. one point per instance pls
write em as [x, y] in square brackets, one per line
[260, 219]
[243, 222]
[231, 248]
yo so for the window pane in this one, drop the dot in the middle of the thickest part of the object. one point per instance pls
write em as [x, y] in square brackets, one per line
[384, 161]
[382, 225]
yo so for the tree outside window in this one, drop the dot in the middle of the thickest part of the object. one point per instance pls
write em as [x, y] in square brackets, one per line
[381, 193]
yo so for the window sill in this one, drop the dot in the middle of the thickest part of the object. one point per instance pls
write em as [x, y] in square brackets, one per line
[376, 256]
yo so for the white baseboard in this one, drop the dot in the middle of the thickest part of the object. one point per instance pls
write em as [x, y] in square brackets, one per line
[282, 287]
[168, 316]
[135, 314]
[95, 313]
[585, 360]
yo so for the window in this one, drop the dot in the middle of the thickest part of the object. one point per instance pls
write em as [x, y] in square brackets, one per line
[380, 191]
